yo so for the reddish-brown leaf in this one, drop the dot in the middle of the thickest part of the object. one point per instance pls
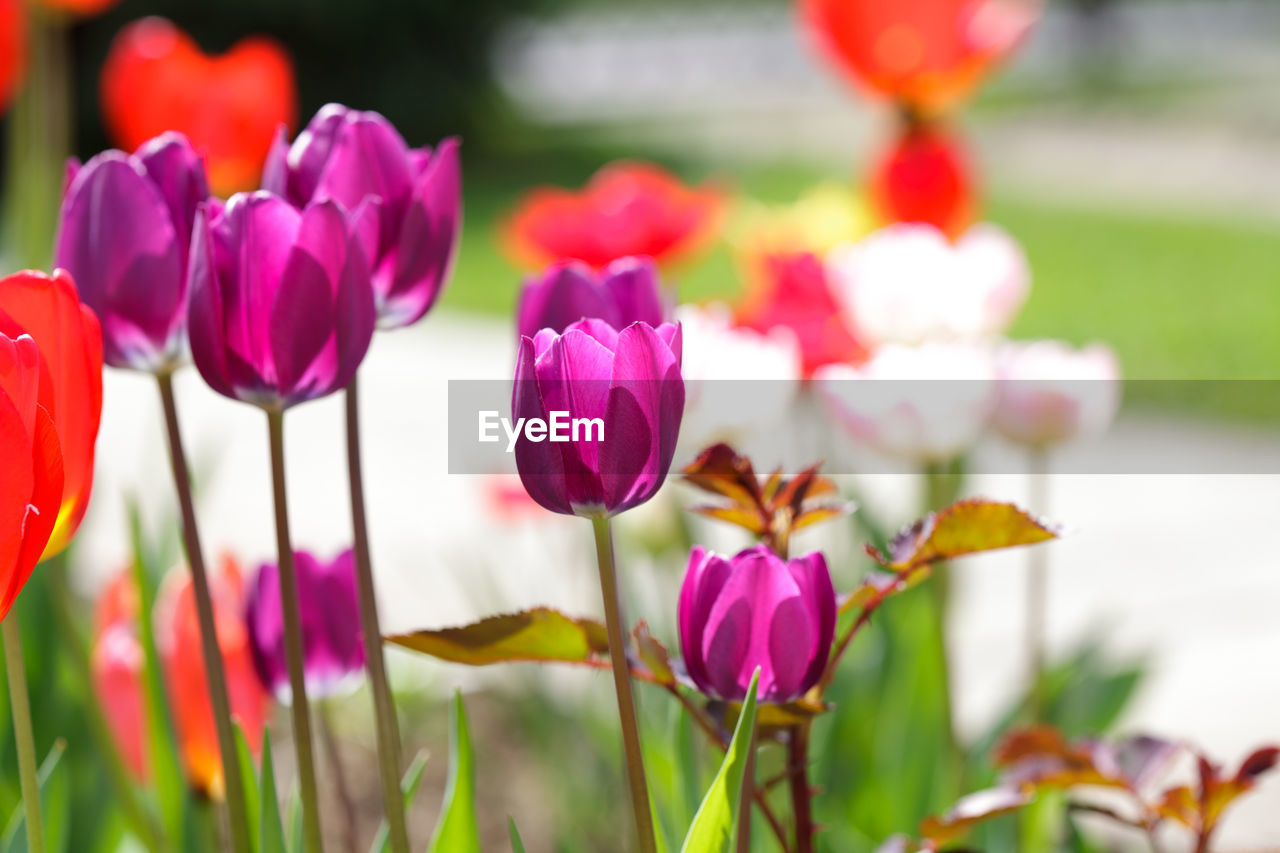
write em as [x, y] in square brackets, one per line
[654, 655]
[721, 470]
[971, 810]
[538, 635]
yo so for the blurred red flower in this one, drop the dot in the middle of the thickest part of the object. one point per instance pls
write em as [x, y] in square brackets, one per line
[627, 208]
[791, 289]
[924, 177]
[156, 78]
[118, 666]
[13, 50]
[926, 53]
[70, 344]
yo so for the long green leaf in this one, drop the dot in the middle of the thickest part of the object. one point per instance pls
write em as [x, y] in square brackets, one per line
[249, 778]
[517, 845]
[55, 807]
[457, 831]
[715, 826]
[409, 785]
[270, 827]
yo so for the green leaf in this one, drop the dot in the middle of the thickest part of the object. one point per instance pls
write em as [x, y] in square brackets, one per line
[540, 634]
[517, 846]
[270, 826]
[164, 761]
[55, 807]
[409, 788]
[967, 527]
[457, 831]
[249, 777]
[715, 826]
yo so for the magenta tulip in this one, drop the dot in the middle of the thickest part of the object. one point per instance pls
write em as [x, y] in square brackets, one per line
[281, 307]
[626, 291]
[332, 646]
[124, 235]
[756, 610]
[349, 156]
[618, 398]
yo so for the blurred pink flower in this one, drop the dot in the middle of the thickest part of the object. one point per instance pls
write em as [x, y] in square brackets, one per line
[927, 403]
[1051, 392]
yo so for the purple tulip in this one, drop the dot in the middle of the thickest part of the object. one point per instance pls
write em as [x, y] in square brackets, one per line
[756, 610]
[332, 645]
[626, 291]
[124, 235]
[618, 398]
[281, 307]
[349, 156]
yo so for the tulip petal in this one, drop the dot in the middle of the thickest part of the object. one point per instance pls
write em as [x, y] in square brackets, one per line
[427, 243]
[633, 282]
[646, 403]
[42, 516]
[819, 597]
[563, 295]
[540, 465]
[302, 315]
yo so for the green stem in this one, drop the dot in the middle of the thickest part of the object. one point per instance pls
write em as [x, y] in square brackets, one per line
[219, 697]
[942, 488]
[342, 785]
[387, 729]
[39, 141]
[1037, 588]
[622, 685]
[22, 735]
[292, 612]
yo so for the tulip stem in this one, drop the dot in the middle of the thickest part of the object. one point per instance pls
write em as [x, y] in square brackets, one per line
[942, 488]
[292, 612]
[1037, 587]
[210, 650]
[801, 792]
[622, 684]
[388, 731]
[22, 735]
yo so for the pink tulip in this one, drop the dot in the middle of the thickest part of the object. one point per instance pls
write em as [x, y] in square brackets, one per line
[756, 610]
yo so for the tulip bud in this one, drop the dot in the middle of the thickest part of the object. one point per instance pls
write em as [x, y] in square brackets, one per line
[125, 235]
[624, 390]
[752, 610]
[348, 156]
[1050, 392]
[907, 284]
[333, 651]
[281, 307]
[626, 291]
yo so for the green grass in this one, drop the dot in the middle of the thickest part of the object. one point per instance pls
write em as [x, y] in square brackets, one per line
[1178, 297]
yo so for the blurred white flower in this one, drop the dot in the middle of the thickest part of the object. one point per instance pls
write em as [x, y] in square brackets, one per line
[926, 403]
[908, 283]
[1051, 392]
[736, 379]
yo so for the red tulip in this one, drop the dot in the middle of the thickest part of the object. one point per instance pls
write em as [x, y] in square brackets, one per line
[30, 467]
[926, 53]
[13, 50]
[156, 78]
[792, 290]
[70, 343]
[118, 670]
[924, 177]
[625, 209]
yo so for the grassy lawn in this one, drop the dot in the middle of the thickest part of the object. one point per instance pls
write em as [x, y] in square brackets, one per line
[1178, 297]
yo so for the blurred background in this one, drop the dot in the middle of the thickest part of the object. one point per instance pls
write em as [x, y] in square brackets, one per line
[1131, 146]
